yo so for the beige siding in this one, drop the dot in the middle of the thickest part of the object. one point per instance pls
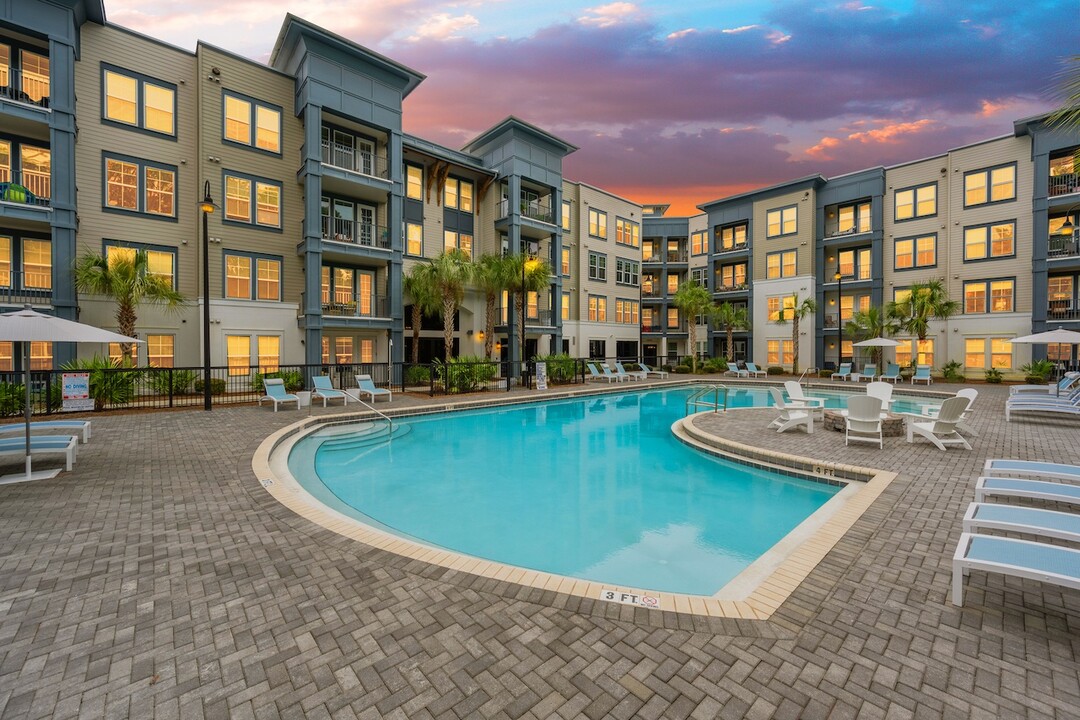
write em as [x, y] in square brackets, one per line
[915, 174]
[802, 240]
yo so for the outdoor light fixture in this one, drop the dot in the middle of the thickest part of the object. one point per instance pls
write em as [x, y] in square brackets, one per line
[1069, 226]
[207, 207]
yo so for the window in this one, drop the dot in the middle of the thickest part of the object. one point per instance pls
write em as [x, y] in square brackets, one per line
[990, 185]
[780, 305]
[732, 237]
[782, 221]
[41, 355]
[139, 101]
[673, 319]
[367, 350]
[597, 223]
[626, 312]
[35, 74]
[915, 252]
[989, 241]
[921, 351]
[672, 283]
[36, 163]
[626, 232]
[239, 283]
[343, 350]
[458, 195]
[159, 350]
[976, 356]
[597, 266]
[269, 352]
[461, 241]
[160, 261]
[994, 296]
[5, 262]
[698, 276]
[139, 186]
[565, 306]
[731, 277]
[37, 264]
[854, 264]
[780, 352]
[414, 182]
[597, 309]
[853, 218]
[566, 224]
[698, 244]
[238, 354]
[243, 115]
[414, 239]
[241, 192]
[565, 264]
[626, 272]
[780, 264]
[916, 202]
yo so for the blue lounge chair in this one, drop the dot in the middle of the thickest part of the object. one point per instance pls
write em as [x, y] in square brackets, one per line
[738, 370]
[1047, 404]
[324, 388]
[607, 373]
[988, 487]
[892, 373]
[1037, 468]
[275, 393]
[1065, 384]
[922, 374]
[844, 373]
[649, 371]
[1020, 558]
[1022, 519]
[83, 426]
[752, 369]
[869, 373]
[595, 374]
[65, 445]
[366, 386]
[632, 374]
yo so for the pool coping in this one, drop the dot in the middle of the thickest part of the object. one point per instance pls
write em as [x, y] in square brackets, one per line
[764, 599]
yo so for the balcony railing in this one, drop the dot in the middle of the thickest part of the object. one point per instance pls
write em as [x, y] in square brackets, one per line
[354, 160]
[858, 275]
[26, 187]
[659, 327]
[733, 248]
[676, 256]
[25, 288]
[534, 317]
[374, 306]
[736, 287]
[357, 233]
[652, 292]
[1061, 310]
[533, 209]
[25, 87]
[1059, 247]
[1064, 184]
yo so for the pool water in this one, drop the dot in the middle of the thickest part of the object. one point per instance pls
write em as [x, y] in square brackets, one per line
[596, 488]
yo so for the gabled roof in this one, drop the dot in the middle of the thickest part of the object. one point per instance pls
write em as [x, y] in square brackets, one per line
[515, 123]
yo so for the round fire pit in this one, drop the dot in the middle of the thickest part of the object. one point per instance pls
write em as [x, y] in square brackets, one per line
[892, 426]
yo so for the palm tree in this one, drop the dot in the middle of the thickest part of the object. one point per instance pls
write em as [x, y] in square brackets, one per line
[925, 302]
[526, 275]
[874, 322]
[493, 274]
[731, 318]
[450, 273]
[797, 312]
[693, 300]
[425, 301]
[1068, 92]
[126, 278]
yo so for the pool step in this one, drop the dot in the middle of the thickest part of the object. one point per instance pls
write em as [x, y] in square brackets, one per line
[373, 434]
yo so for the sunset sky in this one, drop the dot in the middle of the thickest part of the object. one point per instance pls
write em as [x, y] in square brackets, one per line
[687, 101]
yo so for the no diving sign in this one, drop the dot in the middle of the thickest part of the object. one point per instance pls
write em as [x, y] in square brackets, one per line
[624, 598]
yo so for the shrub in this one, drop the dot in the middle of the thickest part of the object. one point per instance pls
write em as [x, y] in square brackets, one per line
[217, 386]
[465, 374]
[774, 370]
[418, 375]
[681, 369]
[293, 379]
[182, 380]
[560, 368]
[825, 373]
[12, 398]
[715, 365]
[952, 371]
[110, 383]
[1037, 371]
[993, 375]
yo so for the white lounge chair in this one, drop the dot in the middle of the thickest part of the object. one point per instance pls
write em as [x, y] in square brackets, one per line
[892, 373]
[1020, 558]
[1022, 519]
[797, 399]
[1038, 468]
[66, 445]
[1063, 385]
[752, 369]
[82, 426]
[649, 371]
[365, 386]
[883, 391]
[275, 393]
[932, 411]
[942, 431]
[990, 487]
[922, 374]
[324, 388]
[631, 374]
[844, 373]
[1022, 404]
[863, 421]
[790, 417]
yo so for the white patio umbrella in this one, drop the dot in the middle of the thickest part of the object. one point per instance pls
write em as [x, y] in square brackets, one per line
[877, 342]
[1059, 336]
[27, 326]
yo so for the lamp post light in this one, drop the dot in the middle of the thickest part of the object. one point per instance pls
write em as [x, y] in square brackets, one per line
[207, 207]
[839, 316]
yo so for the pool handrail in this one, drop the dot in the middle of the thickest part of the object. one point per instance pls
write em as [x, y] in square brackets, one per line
[717, 390]
[375, 410]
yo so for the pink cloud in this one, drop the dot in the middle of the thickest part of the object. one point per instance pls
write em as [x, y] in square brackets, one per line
[608, 15]
[443, 26]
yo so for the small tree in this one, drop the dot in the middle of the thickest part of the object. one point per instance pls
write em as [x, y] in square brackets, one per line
[692, 300]
[527, 275]
[925, 302]
[125, 276]
[798, 311]
[874, 322]
[425, 301]
[492, 275]
[731, 318]
[450, 273]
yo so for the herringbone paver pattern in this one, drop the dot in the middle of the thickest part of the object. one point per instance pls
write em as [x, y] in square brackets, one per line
[158, 579]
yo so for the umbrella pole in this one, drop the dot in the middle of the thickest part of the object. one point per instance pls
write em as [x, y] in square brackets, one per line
[27, 409]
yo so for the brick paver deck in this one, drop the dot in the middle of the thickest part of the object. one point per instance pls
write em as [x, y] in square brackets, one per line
[158, 579]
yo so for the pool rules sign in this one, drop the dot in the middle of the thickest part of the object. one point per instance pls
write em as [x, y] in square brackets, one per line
[76, 392]
[541, 376]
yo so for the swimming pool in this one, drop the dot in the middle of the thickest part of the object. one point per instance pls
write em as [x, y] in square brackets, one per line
[594, 488]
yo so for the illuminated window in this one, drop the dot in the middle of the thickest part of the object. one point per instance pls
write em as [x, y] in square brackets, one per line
[461, 241]
[990, 241]
[566, 224]
[414, 239]
[673, 319]
[698, 244]
[159, 262]
[243, 115]
[597, 223]
[597, 309]
[238, 354]
[921, 351]
[458, 195]
[238, 199]
[627, 232]
[782, 221]
[367, 350]
[990, 185]
[732, 237]
[131, 99]
[778, 304]
[565, 306]
[343, 350]
[915, 252]
[269, 353]
[136, 185]
[37, 265]
[780, 264]
[780, 352]
[5, 261]
[159, 350]
[994, 296]
[626, 312]
[414, 182]
[566, 262]
[242, 192]
[916, 202]
[41, 356]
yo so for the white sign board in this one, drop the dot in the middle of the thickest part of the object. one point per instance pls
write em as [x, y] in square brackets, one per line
[639, 599]
[76, 392]
[541, 376]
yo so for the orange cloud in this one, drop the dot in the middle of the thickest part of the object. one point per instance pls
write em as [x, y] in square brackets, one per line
[991, 108]
[891, 133]
[821, 151]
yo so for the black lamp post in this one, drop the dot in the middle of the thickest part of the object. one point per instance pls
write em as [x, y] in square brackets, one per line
[526, 248]
[839, 316]
[207, 207]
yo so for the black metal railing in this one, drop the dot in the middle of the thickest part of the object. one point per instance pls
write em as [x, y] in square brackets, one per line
[532, 209]
[1065, 184]
[26, 187]
[25, 87]
[1059, 246]
[374, 306]
[357, 233]
[1062, 310]
[25, 288]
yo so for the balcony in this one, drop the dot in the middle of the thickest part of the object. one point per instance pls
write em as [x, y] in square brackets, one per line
[539, 210]
[376, 306]
[24, 86]
[848, 275]
[26, 187]
[1064, 184]
[534, 317]
[658, 327]
[25, 288]
[731, 287]
[347, 157]
[1062, 247]
[1061, 311]
[356, 233]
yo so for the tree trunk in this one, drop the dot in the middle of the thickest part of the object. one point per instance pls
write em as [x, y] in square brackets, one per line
[521, 333]
[417, 318]
[448, 306]
[795, 345]
[691, 329]
[125, 322]
[730, 343]
[489, 327]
